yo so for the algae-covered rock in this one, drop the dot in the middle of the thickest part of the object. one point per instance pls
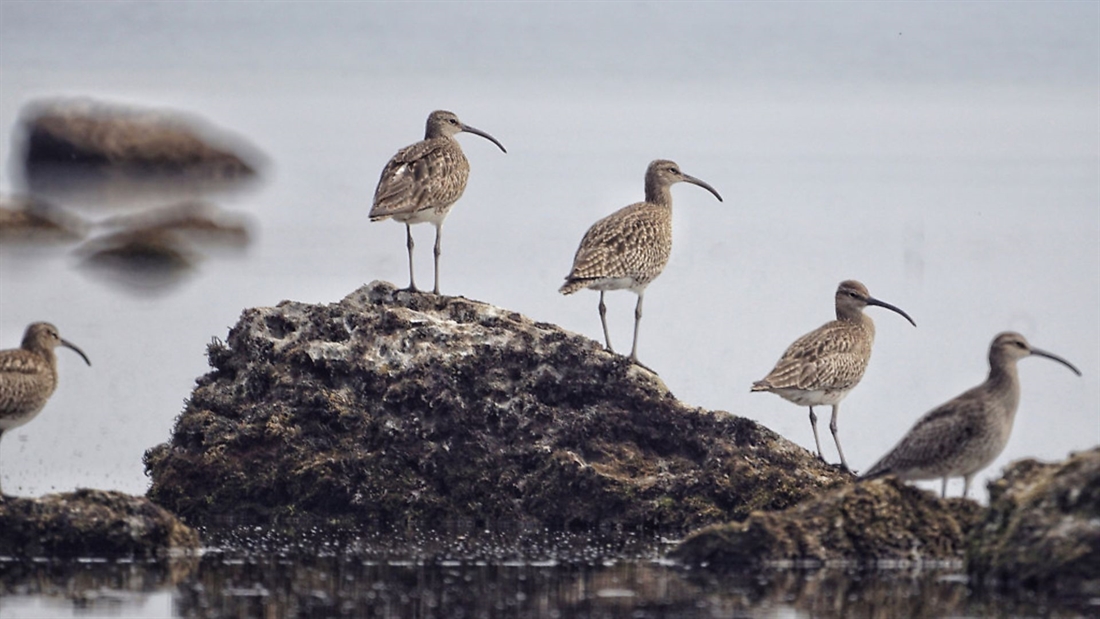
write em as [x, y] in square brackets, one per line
[395, 409]
[884, 520]
[1042, 528]
[90, 523]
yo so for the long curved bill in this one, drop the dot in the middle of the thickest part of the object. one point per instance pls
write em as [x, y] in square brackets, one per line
[71, 346]
[703, 184]
[476, 131]
[892, 308]
[1050, 355]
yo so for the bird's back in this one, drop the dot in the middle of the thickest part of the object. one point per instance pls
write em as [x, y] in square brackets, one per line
[633, 243]
[956, 438]
[831, 358]
[430, 174]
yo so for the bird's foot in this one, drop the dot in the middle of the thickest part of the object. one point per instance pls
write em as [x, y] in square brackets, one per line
[645, 367]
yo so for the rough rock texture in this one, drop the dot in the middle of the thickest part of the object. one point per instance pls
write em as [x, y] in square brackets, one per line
[90, 523]
[393, 409]
[881, 520]
[1042, 528]
[98, 136]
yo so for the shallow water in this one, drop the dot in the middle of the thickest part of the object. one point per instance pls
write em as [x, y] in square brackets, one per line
[946, 155]
[476, 576]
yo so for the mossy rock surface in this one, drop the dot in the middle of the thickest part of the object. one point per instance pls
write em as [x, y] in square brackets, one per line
[397, 409]
[855, 525]
[1042, 529]
[90, 523]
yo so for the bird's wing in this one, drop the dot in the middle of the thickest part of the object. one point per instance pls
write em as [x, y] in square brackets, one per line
[936, 437]
[19, 361]
[424, 175]
[821, 359]
[620, 245]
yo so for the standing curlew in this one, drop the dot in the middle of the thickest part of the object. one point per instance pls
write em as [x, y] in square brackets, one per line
[962, 436]
[28, 375]
[423, 181]
[822, 366]
[629, 248]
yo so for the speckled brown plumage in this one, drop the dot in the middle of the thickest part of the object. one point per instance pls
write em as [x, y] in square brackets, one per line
[822, 366]
[629, 248]
[28, 375]
[964, 435]
[633, 243]
[423, 181]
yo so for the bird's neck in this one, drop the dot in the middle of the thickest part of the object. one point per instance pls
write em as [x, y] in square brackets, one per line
[658, 193]
[1005, 382]
[853, 315]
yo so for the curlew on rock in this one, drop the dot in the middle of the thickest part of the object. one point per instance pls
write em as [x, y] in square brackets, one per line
[28, 375]
[822, 366]
[963, 436]
[629, 248]
[423, 181]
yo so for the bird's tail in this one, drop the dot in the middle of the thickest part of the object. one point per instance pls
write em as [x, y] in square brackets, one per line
[761, 385]
[875, 472]
[572, 285]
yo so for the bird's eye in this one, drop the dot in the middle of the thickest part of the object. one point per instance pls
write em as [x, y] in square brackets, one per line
[453, 121]
[1019, 344]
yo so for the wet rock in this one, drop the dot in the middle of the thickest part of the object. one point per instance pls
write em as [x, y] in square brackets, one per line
[90, 523]
[855, 525]
[392, 409]
[1042, 528]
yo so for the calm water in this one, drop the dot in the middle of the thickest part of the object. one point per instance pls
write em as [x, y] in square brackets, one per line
[947, 155]
[476, 576]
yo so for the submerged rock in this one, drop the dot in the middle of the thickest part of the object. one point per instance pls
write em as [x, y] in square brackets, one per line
[870, 522]
[90, 523]
[397, 409]
[1042, 528]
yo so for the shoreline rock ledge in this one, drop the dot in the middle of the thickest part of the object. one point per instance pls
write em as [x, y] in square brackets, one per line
[394, 410]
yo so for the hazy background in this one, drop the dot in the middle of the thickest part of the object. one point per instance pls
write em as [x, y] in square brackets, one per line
[945, 154]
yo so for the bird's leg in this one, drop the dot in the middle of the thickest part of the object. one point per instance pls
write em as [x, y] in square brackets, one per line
[409, 243]
[832, 427]
[943, 488]
[637, 321]
[438, 250]
[603, 321]
[966, 484]
[1, 480]
[817, 441]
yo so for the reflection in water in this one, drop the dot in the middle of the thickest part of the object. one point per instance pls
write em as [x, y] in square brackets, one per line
[89, 586]
[464, 576]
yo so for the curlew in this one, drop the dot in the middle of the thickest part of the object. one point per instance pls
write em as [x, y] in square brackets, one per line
[822, 366]
[423, 181]
[629, 248]
[28, 375]
[963, 436]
